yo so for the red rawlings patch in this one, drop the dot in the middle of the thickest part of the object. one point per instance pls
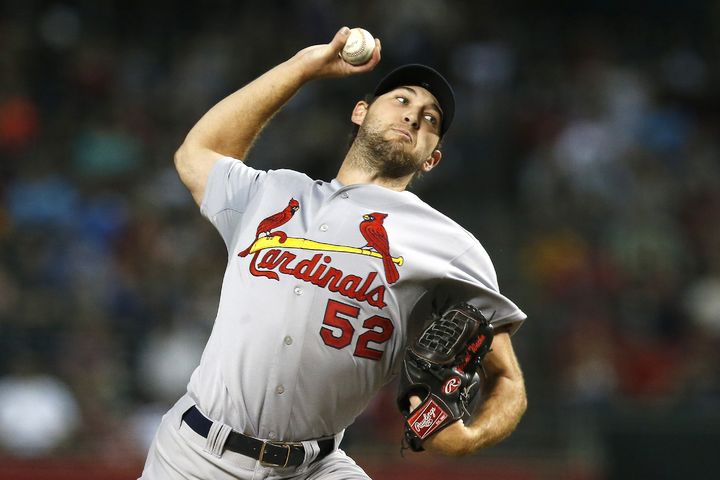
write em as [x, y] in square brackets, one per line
[426, 419]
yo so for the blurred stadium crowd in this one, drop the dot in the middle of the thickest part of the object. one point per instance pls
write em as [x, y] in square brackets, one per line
[585, 156]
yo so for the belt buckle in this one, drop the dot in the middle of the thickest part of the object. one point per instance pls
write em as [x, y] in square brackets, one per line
[286, 446]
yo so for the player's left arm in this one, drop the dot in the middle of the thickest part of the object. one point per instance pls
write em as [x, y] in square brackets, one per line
[503, 404]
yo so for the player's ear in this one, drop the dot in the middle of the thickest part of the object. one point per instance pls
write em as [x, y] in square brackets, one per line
[432, 161]
[359, 112]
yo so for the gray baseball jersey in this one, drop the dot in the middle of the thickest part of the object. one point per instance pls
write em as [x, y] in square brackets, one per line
[324, 285]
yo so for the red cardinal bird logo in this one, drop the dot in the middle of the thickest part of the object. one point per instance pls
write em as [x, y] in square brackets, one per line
[376, 237]
[274, 221]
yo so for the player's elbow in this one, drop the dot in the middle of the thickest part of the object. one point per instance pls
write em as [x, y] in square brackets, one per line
[193, 165]
[516, 403]
[511, 383]
[522, 403]
[181, 158]
[520, 396]
[190, 163]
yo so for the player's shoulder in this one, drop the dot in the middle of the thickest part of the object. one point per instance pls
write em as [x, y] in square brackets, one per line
[288, 175]
[234, 168]
[441, 220]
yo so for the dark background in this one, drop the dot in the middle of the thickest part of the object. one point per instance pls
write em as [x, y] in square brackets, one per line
[584, 156]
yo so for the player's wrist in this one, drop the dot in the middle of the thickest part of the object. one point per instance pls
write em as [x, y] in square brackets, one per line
[299, 68]
[454, 441]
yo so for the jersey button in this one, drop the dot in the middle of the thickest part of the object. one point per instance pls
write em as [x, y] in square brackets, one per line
[288, 340]
[298, 291]
[323, 228]
[279, 389]
[344, 195]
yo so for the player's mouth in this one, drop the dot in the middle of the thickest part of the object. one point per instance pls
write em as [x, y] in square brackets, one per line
[403, 133]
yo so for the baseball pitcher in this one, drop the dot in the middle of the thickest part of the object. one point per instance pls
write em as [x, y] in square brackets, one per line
[334, 288]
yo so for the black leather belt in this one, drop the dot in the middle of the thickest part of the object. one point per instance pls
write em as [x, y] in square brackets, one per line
[270, 454]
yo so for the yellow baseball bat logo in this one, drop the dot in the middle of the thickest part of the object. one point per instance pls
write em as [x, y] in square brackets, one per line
[305, 244]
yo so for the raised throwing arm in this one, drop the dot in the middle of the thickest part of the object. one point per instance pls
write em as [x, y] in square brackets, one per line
[231, 126]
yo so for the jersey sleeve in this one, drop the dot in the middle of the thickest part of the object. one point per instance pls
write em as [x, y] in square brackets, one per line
[230, 187]
[471, 278]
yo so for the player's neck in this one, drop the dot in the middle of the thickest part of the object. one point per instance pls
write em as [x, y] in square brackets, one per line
[354, 171]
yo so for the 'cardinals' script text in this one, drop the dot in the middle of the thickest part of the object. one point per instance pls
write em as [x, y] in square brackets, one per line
[317, 271]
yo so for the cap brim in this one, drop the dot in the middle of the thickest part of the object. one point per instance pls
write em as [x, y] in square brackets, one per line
[428, 78]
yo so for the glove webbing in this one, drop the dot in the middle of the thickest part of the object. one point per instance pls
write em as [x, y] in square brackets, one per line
[440, 336]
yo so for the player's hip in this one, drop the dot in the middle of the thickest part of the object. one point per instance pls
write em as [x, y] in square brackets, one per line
[189, 445]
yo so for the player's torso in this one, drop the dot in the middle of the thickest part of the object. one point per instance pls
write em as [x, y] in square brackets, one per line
[313, 311]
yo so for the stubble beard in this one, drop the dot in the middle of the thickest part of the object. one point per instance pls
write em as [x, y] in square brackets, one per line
[386, 158]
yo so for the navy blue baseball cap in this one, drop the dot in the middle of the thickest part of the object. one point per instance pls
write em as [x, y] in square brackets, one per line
[428, 78]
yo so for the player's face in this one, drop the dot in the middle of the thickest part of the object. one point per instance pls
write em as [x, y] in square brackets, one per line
[403, 127]
[410, 115]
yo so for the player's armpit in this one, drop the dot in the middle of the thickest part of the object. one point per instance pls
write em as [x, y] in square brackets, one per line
[193, 164]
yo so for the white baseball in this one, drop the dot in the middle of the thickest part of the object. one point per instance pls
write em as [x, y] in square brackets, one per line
[359, 47]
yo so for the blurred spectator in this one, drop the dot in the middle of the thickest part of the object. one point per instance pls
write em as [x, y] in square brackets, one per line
[702, 302]
[167, 359]
[37, 414]
[18, 123]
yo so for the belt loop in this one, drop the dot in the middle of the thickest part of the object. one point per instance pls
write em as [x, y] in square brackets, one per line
[338, 438]
[312, 450]
[215, 441]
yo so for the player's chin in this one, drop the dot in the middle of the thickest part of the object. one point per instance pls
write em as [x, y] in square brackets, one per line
[400, 147]
[405, 148]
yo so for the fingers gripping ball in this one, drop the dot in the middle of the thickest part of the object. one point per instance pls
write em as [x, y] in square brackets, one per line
[440, 367]
[359, 47]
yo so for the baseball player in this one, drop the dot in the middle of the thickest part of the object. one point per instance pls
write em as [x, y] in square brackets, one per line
[326, 284]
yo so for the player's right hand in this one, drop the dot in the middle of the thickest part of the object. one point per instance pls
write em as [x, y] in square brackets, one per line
[320, 61]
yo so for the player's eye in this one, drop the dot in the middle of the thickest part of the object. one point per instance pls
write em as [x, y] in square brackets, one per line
[431, 118]
[401, 99]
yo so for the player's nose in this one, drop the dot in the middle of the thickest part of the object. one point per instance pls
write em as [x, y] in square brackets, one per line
[412, 119]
